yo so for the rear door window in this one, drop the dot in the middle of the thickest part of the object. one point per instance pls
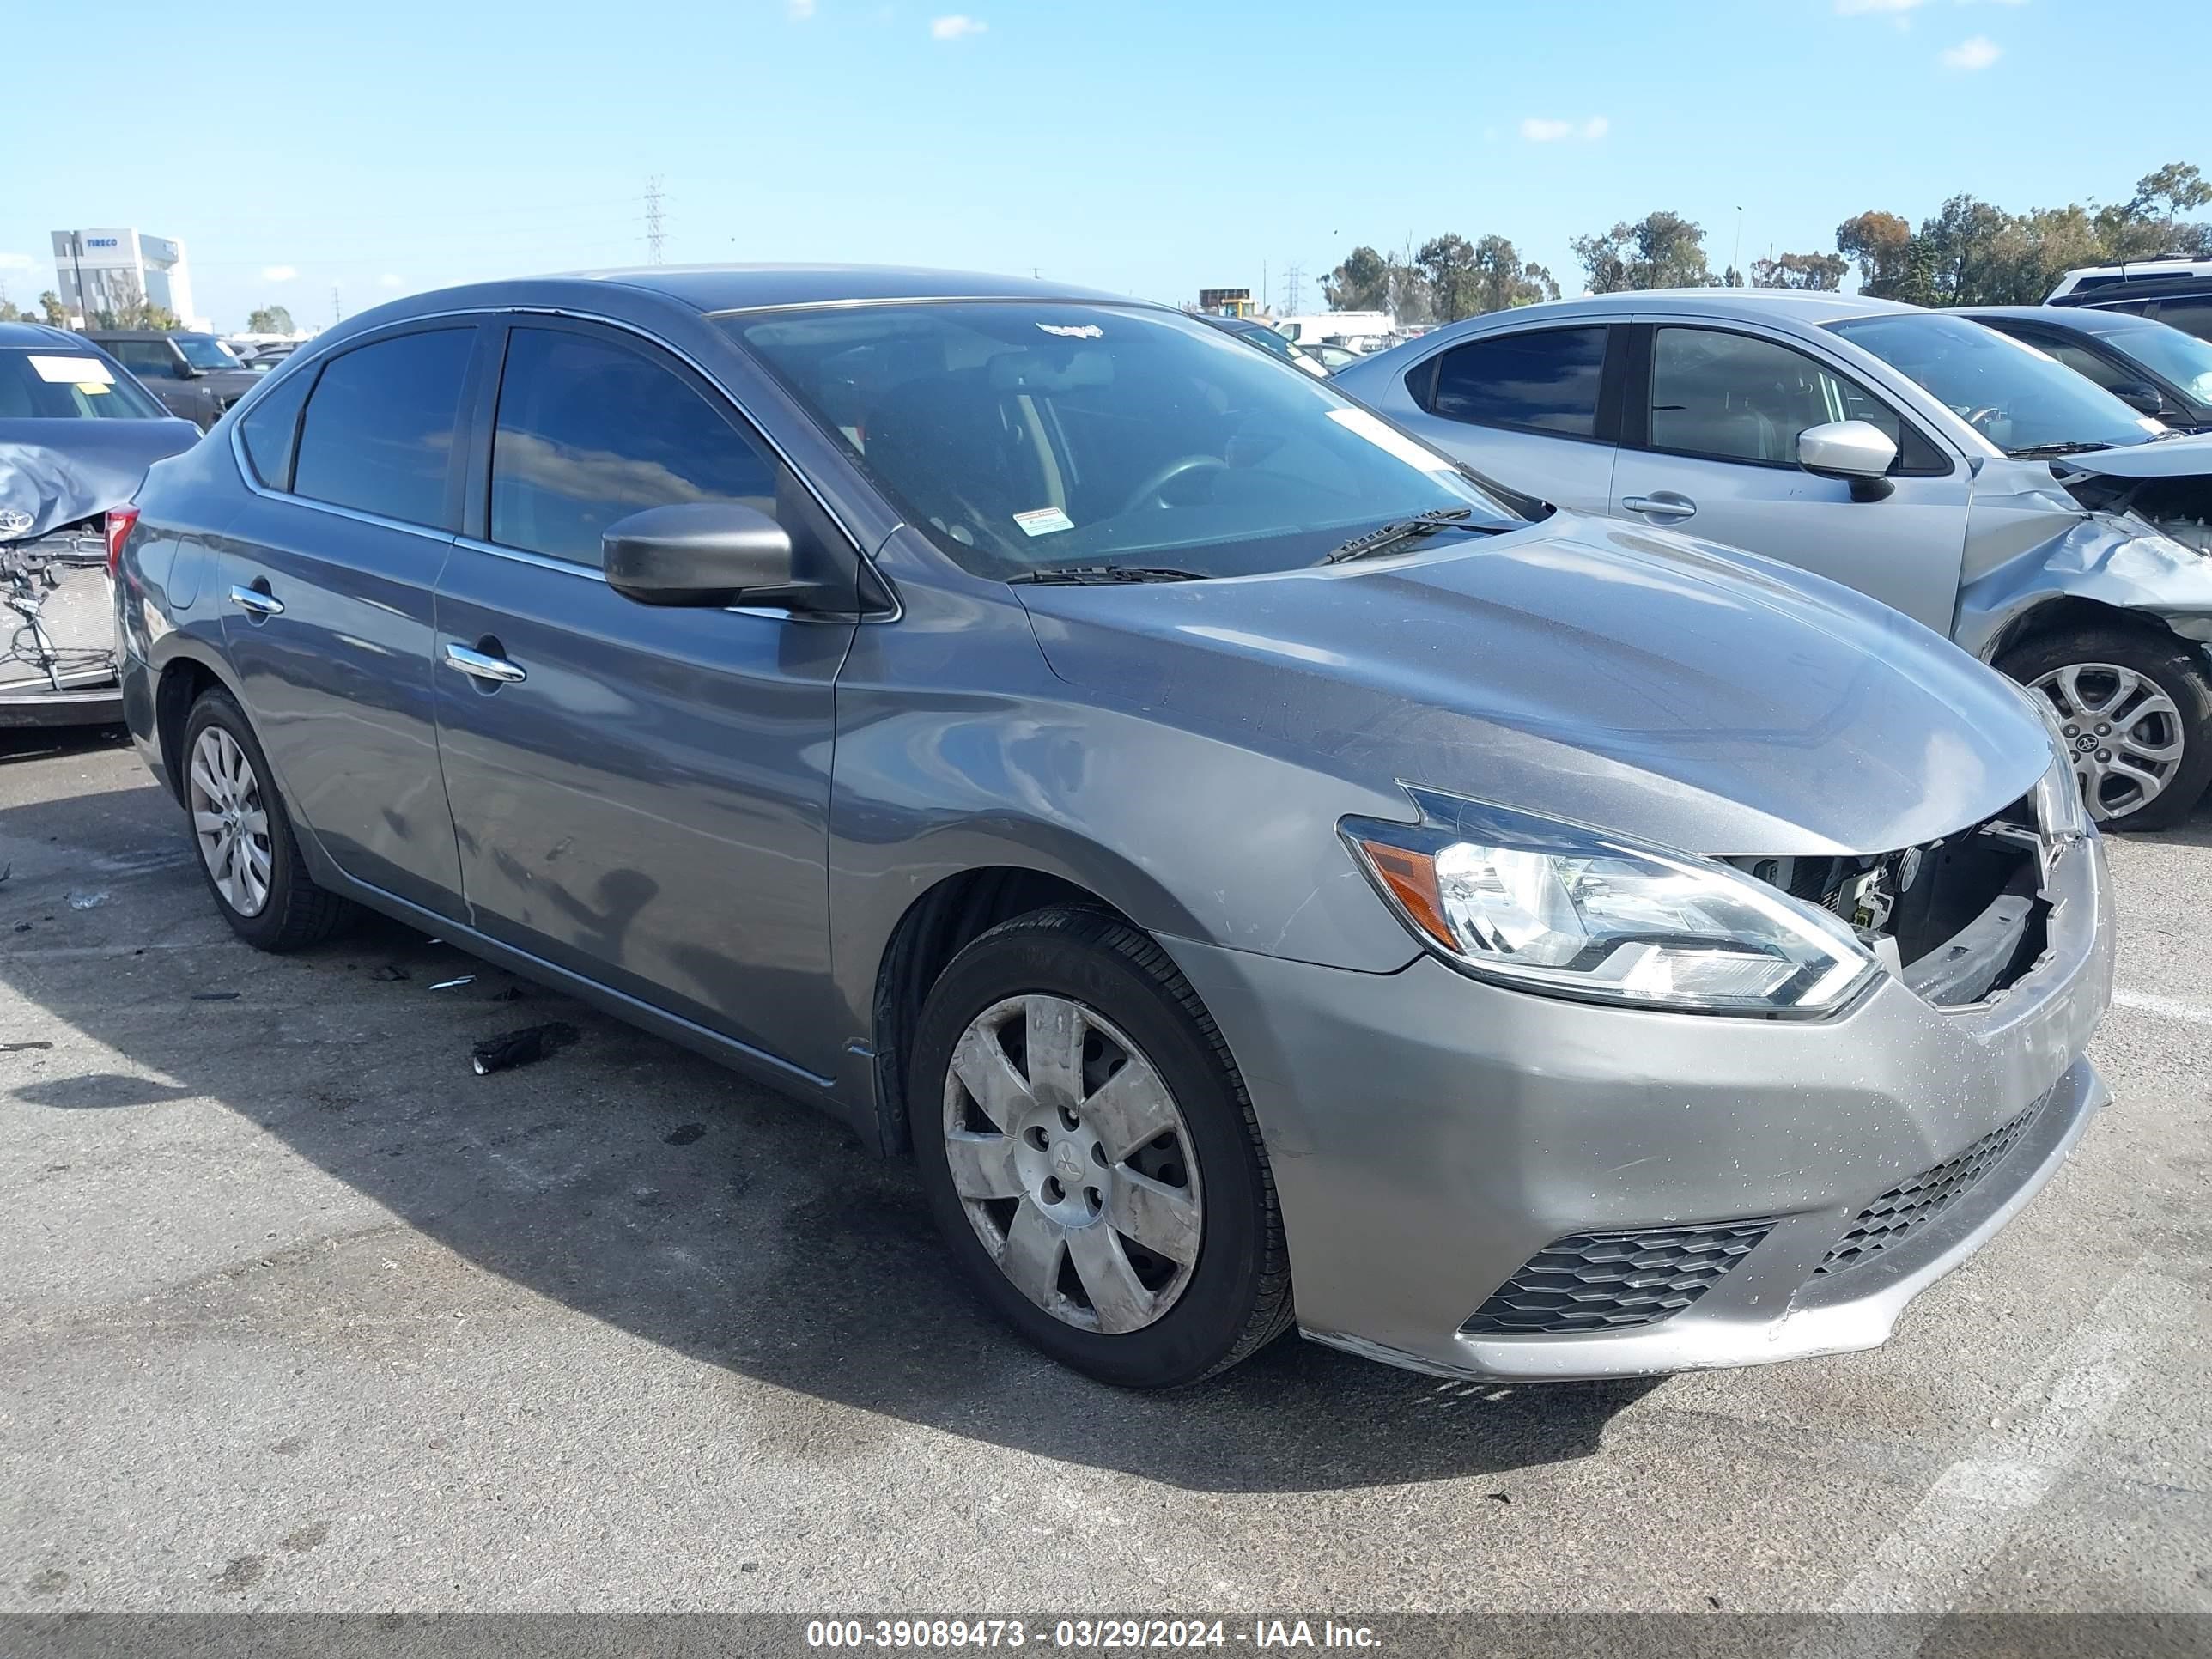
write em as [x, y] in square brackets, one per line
[270, 427]
[591, 431]
[381, 427]
[1545, 381]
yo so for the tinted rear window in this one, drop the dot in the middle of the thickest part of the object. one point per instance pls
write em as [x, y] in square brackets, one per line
[379, 435]
[1547, 381]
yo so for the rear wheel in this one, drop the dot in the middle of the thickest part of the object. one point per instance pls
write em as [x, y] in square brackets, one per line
[1090, 1155]
[247, 851]
[2135, 709]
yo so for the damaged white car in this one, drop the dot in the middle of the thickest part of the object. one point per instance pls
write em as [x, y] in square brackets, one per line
[77, 435]
[1967, 479]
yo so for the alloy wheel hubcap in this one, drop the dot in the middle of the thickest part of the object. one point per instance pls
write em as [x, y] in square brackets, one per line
[1073, 1162]
[2124, 734]
[229, 822]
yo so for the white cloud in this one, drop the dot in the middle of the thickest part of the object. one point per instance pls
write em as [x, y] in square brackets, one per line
[801, 11]
[388, 281]
[956, 27]
[1978, 53]
[277, 273]
[1860, 8]
[1539, 130]
[14, 262]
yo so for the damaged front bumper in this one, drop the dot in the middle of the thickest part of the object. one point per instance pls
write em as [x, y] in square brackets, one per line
[1437, 1142]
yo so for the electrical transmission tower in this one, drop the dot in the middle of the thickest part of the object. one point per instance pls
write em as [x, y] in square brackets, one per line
[653, 234]
[1294, 278]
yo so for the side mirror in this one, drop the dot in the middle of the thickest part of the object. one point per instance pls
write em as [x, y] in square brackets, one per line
[2140, 396]
[183, 370]
[1857, 451]
[703, 553]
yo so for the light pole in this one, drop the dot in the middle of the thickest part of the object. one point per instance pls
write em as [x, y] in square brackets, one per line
[1736, 264]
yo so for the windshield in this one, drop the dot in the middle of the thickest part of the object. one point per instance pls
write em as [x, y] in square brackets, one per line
[203, 352]
[2009, 392]
[1022, 437]
[64, 385]
[2181, 358]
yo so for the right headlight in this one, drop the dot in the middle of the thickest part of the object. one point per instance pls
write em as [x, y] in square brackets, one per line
[2060, 811]
[1551, 907]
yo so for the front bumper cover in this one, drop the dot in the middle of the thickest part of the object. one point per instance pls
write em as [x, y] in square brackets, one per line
[1430, 1134]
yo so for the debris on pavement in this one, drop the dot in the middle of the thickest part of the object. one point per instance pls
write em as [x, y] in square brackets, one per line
[448, 984]
[524, 1048]
[214, 996]
[88, 901]
[18, 1048]
[391, 973]
[684, 1133]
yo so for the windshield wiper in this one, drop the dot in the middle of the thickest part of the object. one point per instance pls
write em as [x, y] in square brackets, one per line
[1097, 575]
[2039, 451]
[1386, 536]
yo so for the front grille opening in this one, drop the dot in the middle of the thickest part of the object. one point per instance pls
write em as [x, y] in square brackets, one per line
[1966, 916]
[1894, 1217]
[1614, 1281]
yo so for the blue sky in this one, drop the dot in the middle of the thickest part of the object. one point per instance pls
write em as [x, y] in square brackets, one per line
[405, 145]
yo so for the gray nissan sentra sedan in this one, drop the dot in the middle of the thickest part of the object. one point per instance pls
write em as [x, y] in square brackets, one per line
[1263, 876]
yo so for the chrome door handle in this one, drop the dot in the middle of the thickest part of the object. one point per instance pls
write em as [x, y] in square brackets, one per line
[477, 666]
[1664, 505]
[254, 600]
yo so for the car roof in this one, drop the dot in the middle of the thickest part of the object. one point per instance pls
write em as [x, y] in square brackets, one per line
[134, 333]
[1748, 305]
[755, 287]
[38, 334]
[2166, 285]
[2082, 319]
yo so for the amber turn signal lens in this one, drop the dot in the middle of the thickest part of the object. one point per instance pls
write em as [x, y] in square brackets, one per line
[1412, 879]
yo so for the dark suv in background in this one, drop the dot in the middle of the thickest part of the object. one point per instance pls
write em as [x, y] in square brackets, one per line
[193, 374]
[2178, 293]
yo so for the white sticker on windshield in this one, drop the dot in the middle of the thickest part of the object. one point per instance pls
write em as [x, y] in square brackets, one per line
[1075, 331]
[72, 371]
[1390, 440]
[1043, 521]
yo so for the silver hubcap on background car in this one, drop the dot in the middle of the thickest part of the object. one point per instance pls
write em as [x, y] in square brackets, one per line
[228, 821]
[1073, 1162]
[2124, 734]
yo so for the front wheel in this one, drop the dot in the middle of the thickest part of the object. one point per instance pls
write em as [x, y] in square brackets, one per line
[1090, 1155]
[2136, 710]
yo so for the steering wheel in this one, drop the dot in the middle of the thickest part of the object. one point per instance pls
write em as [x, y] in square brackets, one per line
[1159, 480]
[1977, 419]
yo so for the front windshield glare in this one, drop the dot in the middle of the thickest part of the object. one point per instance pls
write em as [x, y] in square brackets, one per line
[2181, 358]
[1024, 436]
[2009, 392]
[204, 353]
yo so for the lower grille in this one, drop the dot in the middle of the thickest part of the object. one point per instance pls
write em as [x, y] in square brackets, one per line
[1891, 1218]
[1610, 1281]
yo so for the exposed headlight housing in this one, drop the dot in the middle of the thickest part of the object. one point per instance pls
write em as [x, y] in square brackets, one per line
[1560, 908]
[2061, 812]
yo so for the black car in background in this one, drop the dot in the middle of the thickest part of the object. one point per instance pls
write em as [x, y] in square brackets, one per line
[1255, 333]
[2147, 365]
[194, 374]
[2175, 292]
[77, 435]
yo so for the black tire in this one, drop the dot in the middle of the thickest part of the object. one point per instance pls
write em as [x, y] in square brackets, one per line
[1238, 1297]
[2176, 667]
[297, 912]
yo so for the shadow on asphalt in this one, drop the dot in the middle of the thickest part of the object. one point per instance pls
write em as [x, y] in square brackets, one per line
[645, 1187]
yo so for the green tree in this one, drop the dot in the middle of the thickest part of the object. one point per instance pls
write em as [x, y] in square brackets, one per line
[1660, 249]
[1821, 271]
[1446, 265]
[9, 312]
[50, 305]
[1502, 280]
[1362, 283]
[129, 307]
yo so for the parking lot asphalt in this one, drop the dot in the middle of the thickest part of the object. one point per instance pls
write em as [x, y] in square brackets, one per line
[297, 1313]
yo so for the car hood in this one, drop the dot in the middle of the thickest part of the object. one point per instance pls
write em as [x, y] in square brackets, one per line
[55, 472]
[1631, 679]
[2168, 458]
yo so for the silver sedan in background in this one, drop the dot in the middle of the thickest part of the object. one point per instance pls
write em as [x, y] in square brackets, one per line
[1976, 484]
